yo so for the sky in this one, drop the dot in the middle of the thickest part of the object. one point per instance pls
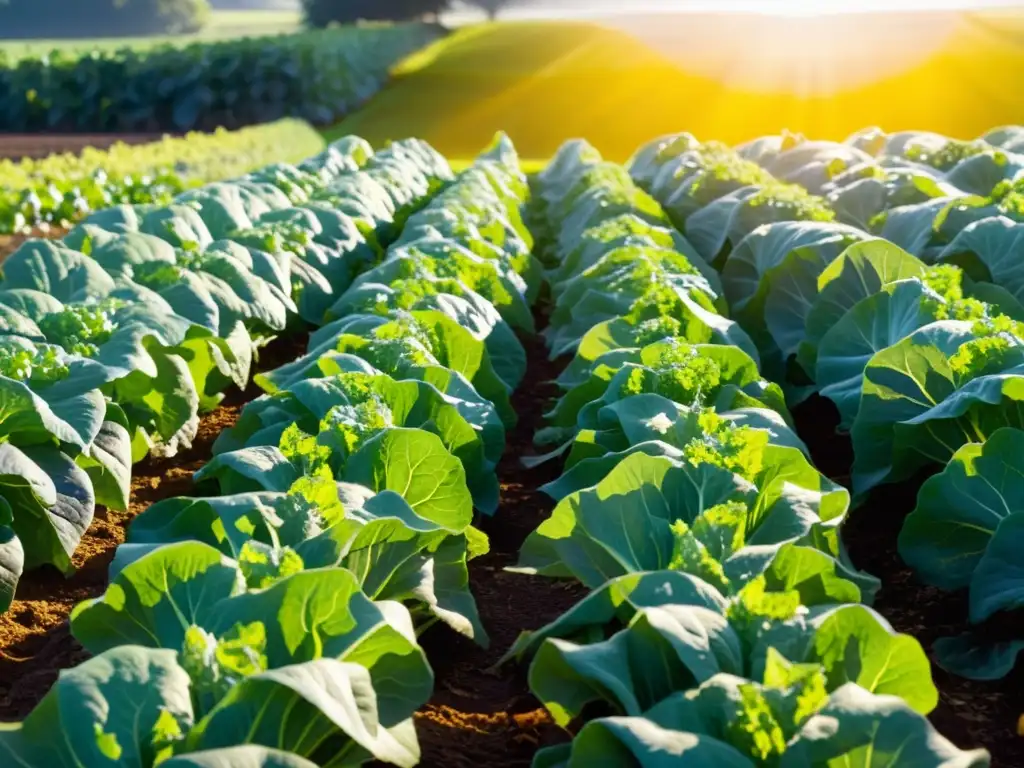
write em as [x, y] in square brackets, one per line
[594, 8]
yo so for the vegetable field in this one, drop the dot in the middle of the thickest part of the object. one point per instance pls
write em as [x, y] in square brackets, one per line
[330, 454]
[317, 76]
[57, 190]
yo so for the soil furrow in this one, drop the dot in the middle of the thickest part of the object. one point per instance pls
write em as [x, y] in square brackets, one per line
[10, 243]
[480, 715]
[18, 146]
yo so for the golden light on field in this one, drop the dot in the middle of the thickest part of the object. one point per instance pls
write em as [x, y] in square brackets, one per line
[807, 55]
[822, 7]
[727, 75]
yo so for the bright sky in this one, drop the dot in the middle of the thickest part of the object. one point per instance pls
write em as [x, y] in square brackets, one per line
[582, 9]
[817, 7]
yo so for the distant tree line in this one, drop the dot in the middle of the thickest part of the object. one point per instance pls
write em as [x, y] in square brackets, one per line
[41, 19]
[320, 13]
[99, 18]
[255, 5]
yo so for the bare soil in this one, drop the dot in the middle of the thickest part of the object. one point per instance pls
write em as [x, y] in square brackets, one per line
[10, 243]
[479, 715]
[15, 146]
[970, 714]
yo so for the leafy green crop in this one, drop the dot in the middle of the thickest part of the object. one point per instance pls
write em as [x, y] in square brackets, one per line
[788, 720]
[153, 705]
[344, 523]
[316, 75]
[724, 621]
[916, 338]
[62, 189]
[963, 533]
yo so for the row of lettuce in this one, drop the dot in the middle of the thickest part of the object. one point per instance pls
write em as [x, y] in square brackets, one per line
[318, 76]
[59, 190]
[725, 624]
[884, 273]
[119, 336]
[274, 622]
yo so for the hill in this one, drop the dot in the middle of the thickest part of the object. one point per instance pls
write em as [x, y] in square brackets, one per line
[629, 78]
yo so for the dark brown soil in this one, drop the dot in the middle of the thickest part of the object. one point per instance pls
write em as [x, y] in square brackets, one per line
[10, 243]
[970, 714]
[478, 715]
[14, 146]
[34, 639]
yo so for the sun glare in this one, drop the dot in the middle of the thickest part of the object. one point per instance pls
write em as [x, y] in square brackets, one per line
[795, 49]
[801, 7]
[814, 7]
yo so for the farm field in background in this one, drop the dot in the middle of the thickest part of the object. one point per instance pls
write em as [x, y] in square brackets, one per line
[592, 391]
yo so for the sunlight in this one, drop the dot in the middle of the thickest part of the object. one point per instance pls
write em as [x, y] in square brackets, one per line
[577, 9]
[621, 78]
[799, 52]
[805, 7]
[815, 7]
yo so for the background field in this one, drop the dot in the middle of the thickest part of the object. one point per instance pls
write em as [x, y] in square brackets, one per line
[622, 79]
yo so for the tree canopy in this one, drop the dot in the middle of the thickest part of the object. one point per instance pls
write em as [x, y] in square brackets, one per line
[320, 13]
[99, 18]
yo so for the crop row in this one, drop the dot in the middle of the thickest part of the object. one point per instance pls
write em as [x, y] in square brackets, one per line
[274, 623]
[725, 623]
[274, 620]
[118, 337]
[317, 76]
[885, 274]
[61, 189]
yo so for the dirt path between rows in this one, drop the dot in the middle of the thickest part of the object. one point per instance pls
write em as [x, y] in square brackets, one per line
[478, 715]
[10, 243]
[35, 641]
[17, 146]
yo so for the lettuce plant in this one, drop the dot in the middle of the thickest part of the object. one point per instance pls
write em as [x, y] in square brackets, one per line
[403, 345]
[789, 719]
[962, 534]
[164, 707]
[641, 516]
[692, 375]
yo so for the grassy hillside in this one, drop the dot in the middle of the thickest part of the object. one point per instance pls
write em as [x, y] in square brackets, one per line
[731, 78]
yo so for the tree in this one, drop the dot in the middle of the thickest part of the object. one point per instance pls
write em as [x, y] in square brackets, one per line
[320, 13]
[255, 5]
[99, 18]
[490, 7]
